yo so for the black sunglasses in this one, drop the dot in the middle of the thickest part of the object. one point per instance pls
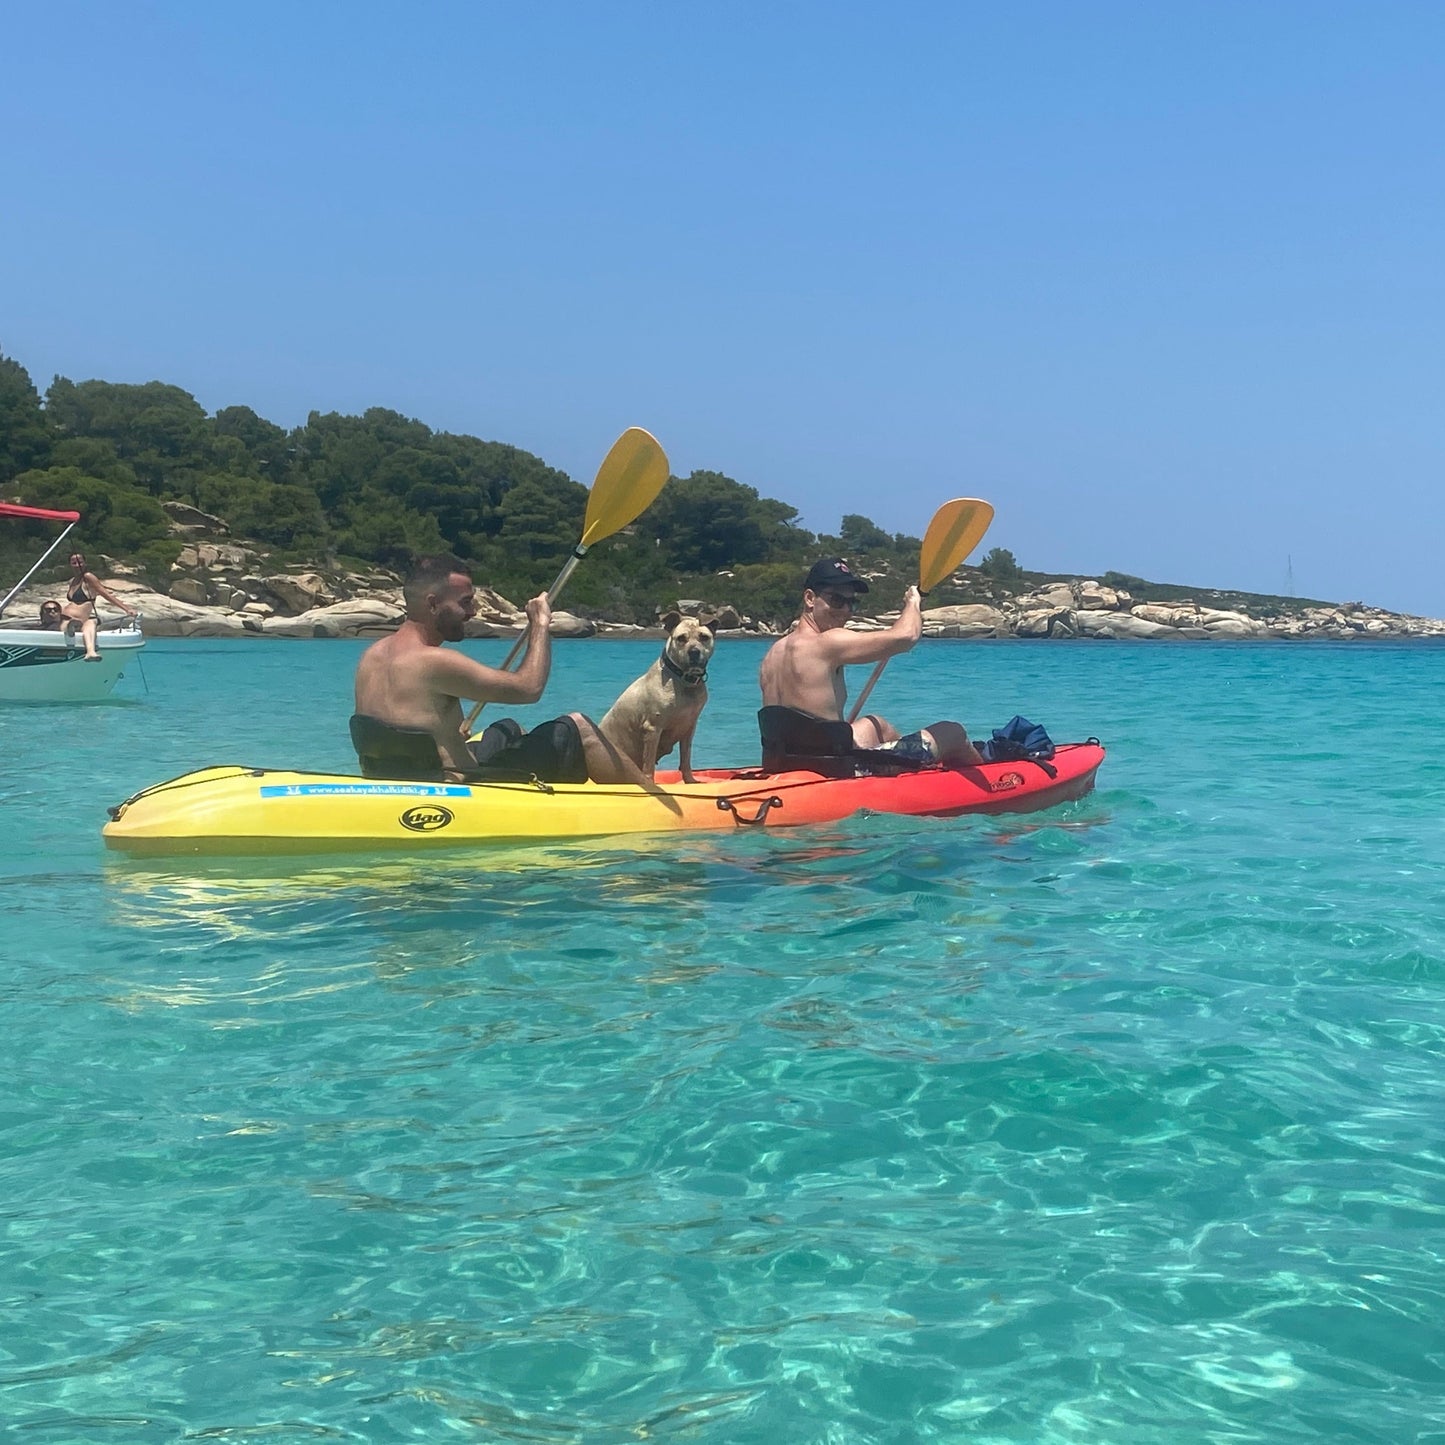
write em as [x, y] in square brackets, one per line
[839, 600]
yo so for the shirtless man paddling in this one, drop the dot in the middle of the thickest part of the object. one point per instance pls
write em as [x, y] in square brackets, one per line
[409, 680]
[804, 669]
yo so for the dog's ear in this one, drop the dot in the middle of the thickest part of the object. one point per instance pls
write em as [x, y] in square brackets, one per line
[708, 624]
[670, 619]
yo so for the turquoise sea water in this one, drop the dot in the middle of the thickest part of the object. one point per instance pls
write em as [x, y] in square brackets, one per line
[1120, 1123]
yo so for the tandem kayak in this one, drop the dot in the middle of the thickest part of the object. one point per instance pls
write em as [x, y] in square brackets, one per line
[261, 810]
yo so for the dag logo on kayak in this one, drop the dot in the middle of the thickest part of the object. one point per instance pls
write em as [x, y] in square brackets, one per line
[426, 819]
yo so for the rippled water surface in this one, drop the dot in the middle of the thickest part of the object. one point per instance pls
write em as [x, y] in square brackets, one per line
[1120, 1123]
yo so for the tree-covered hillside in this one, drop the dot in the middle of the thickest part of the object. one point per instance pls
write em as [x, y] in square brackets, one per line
[382, 488]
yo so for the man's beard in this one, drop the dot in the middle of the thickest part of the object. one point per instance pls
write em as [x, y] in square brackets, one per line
[451, 629]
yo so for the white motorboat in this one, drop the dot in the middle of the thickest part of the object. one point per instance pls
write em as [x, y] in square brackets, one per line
[40, 664]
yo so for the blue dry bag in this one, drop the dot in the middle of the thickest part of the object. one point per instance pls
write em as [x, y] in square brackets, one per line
[1018, 738]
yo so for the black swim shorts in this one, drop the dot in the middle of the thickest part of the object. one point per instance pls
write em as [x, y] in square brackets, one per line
[551, 752]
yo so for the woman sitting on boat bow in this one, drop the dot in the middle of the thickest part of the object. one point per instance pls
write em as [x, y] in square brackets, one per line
[80, 597]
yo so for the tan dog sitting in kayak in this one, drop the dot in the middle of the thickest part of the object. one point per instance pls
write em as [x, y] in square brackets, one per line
[660, 710]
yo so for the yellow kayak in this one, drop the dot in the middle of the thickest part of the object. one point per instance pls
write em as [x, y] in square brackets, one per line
[260, 810]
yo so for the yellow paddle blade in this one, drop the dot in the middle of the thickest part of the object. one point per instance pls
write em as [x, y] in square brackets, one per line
[956, 529]
[628, 481]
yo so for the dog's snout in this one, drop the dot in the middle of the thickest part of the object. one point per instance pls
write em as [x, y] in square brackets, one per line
[694, 654]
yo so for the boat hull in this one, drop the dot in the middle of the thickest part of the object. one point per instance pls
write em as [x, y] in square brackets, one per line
[236, 810]
[38, 666]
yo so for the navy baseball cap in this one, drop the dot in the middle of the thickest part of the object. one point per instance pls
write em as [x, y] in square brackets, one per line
[833, 572]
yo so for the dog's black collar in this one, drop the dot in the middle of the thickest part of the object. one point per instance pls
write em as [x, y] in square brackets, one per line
[690, 676]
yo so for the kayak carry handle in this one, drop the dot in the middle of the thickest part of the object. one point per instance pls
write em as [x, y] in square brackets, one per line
[726, 805]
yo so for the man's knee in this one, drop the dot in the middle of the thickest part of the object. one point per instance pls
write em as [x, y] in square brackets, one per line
[950, 743]
[587, 730]
[601, 757]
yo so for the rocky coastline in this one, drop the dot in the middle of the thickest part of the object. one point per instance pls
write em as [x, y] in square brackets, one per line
[222, 588]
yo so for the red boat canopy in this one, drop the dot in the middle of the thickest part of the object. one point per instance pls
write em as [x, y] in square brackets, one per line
[12, 509]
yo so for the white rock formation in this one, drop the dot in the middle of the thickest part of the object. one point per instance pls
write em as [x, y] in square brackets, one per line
[968, 620]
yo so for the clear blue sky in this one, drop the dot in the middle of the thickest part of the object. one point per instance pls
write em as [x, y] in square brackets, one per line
[1161, 281]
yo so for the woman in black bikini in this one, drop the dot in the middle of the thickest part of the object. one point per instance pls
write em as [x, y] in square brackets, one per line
[80, 597]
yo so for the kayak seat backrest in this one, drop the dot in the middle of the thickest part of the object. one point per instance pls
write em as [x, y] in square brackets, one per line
[407, 754]
[796, 741]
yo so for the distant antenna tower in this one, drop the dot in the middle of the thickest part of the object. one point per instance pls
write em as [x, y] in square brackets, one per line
[1288, 575]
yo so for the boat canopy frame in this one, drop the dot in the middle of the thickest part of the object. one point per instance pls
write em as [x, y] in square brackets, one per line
[34, 514]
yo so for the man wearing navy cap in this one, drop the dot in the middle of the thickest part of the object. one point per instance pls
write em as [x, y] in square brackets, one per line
[803, 670]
